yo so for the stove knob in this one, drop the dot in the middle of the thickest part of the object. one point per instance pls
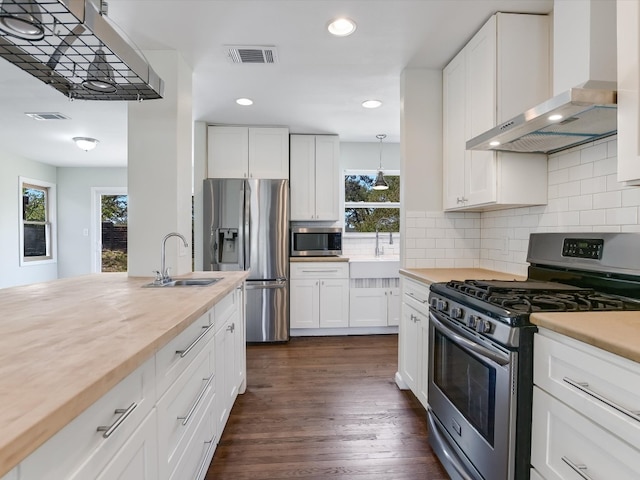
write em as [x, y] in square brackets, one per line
[483, 326]
[456, 312]
[472, 321]
[442, 305]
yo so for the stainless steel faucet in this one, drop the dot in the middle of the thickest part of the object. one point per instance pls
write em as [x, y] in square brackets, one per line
[379, 249]
[164, 274]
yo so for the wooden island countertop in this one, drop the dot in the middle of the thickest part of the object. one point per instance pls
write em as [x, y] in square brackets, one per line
[434, 275]
[65, 343]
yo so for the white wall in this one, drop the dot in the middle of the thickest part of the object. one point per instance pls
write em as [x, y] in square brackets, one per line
[74, 214]
[11, 273]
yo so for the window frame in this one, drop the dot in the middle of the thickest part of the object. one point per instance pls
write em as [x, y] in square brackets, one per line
[50, 222]
[345, 204]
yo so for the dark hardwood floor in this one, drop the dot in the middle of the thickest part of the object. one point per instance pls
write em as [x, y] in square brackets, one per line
[325, 408]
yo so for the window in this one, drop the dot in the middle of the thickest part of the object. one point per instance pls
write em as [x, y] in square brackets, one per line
[37, 218]
[366, 209]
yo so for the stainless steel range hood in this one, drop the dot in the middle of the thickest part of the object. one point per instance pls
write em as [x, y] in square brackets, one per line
[78, 40]
[577, 116]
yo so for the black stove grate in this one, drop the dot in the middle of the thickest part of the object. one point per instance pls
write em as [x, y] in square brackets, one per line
[523, 297]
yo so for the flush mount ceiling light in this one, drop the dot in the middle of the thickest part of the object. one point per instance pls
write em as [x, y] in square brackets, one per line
[81, 52]
[85, 143]
[341, 27]
[245, 102]
[495, 143]
[371, 103]
[380, 183]
[22, 19]
[555, 117]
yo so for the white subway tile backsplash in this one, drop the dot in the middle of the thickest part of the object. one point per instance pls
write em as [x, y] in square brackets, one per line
[583, 202]
[559, 176]
[592, 217]
[581, 171]
[593, 185]
[606, 166]
[621, 216]
[607, 200]
[594, 153]
[570, 159]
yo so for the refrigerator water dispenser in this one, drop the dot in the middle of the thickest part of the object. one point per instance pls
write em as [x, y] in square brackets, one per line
[227, 240]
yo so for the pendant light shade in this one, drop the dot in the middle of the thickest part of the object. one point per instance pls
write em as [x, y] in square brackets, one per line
[100, 75]
[21, 19]
[380, 183]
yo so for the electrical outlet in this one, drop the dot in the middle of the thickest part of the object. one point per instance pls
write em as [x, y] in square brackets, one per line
[505, 246]
[85, 232]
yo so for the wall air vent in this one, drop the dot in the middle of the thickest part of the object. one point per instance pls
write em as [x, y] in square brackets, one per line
[251, 54]
[47, 116]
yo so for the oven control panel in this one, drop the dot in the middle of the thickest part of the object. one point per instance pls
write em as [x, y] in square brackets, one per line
[583, 248]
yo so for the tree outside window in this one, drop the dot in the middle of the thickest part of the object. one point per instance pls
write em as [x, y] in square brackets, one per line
[37, 221]
[368, 210]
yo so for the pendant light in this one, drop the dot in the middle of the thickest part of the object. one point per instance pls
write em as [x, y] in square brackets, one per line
[21, 19]
[380, 183]
[100, 75]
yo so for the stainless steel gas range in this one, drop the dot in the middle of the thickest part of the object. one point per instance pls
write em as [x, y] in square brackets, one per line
[481, 346]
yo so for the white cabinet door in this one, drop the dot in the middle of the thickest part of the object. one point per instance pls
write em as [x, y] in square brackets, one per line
[454, 115]
[368, 307]
[328, 184]
[409, 354]
[12, 475]
[268, 152]
[628, 31]
[305, 303]
[334, 303]
[423, 359]
[240, 342]
[315, 182]
[393, 307]
[303, 177]
[228, 152]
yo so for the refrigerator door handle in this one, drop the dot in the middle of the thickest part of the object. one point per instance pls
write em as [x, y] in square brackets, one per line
[263, 286]
[246, 218]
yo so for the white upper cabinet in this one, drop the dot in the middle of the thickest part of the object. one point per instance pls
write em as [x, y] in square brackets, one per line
[491, 80]
[628, 13]
[248, 152]
[315, 182]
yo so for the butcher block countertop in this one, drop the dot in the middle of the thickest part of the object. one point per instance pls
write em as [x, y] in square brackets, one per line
[434, 275]
[615, 332]
[65, 343]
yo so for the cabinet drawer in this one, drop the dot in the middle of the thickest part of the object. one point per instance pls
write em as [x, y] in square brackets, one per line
[176, 355]
[603, 386]
[12, 475]
[80, 441]
[225, 308]
[320, 270]
[565, 443]
[195, 460]
[534, 475]
[416, 294]
[181, 408]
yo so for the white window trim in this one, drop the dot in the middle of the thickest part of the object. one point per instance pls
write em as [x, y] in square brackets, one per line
[52, 216]
[363, 171]
[96, 222]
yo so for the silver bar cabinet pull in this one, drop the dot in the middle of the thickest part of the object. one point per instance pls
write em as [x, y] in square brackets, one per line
[584, 387]
[579, 469]
[185, 419]
[204, 463]
[124, 413]
[185, 352]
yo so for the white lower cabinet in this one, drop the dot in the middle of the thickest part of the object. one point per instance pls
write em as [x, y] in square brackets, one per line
[413, 348]
[585, 411]
[374, 307]
[319, 295]
[164, 420]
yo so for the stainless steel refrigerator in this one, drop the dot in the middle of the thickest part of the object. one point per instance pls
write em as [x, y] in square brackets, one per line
[246, 224]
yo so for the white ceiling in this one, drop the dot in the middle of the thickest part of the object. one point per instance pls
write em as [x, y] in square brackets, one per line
[317, 86]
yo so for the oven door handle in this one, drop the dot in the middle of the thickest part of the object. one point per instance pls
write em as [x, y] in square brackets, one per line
[467, 344]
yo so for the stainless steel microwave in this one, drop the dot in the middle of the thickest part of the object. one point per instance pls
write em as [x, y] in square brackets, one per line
[316, 241]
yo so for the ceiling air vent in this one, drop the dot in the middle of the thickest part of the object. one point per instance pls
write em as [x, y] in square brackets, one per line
[251, 54]
[47, 116]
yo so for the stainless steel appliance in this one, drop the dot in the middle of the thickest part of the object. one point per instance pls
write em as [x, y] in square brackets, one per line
[316, 241]
[481, 346]
[246, 228]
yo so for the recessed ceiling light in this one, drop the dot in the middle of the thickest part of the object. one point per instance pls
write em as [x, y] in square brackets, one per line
[495, 143]
[555, 117]
[245, 102]
[371, 103]
[341, 27]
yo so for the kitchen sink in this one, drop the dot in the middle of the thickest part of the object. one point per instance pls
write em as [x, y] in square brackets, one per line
[186, 282]
[374, 267]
